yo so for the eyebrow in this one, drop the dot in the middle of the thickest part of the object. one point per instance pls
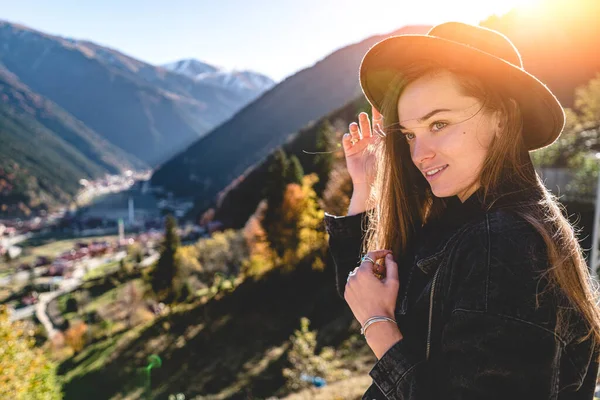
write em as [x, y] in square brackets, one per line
[428, 115]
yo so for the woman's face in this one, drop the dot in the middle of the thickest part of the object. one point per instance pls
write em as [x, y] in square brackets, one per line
[445, 128]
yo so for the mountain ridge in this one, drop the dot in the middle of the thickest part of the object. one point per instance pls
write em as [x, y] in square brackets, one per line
[146, 110]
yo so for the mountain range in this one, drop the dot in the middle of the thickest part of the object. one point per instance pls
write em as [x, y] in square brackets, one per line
[98, 111]
[148, 111]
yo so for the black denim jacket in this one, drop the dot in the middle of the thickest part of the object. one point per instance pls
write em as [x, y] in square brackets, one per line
[466, 310]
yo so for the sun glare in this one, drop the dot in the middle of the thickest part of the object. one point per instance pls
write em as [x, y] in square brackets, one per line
[502, 6]
[526, 3]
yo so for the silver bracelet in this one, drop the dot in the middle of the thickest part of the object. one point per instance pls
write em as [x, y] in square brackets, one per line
[372, 320]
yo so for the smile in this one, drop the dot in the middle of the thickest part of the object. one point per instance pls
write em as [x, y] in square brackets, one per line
[436, 173]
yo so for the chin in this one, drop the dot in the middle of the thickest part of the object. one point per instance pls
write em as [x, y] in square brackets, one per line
[443, 192]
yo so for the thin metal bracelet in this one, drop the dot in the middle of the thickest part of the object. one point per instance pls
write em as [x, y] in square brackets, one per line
[372, 320]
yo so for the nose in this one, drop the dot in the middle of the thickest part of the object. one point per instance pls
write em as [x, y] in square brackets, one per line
[421, 151]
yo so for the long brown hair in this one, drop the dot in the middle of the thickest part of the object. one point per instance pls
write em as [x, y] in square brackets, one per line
[401, 200]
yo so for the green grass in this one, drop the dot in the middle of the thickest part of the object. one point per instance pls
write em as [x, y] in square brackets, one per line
[110, 296]
[93, 356]
[102, 270]
[92, 361]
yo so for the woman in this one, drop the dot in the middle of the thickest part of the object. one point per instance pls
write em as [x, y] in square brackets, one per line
[483, 291]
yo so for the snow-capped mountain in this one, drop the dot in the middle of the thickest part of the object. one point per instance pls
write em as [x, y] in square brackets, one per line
[191, 67]
[221, 77]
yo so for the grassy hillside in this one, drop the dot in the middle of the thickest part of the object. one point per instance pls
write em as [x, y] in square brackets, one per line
[233, 347]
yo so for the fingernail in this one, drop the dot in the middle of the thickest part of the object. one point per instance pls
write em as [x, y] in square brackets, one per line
[389, 255]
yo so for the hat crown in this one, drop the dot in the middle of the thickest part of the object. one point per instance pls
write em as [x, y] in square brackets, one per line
[480, 38]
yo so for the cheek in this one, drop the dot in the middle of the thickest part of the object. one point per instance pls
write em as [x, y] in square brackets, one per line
[463, 148]
[455, 143]
[469, 138]
[472, 150]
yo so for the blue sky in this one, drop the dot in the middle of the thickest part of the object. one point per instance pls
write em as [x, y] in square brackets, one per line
[276, 38]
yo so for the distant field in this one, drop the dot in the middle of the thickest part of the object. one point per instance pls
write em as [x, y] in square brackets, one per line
[49, 248]
[56, 238]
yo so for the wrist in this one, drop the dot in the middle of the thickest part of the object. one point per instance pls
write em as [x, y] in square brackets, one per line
[359, 199]
[381, 336]
[361, 189]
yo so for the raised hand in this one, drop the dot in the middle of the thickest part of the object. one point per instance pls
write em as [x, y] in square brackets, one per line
[361, 163]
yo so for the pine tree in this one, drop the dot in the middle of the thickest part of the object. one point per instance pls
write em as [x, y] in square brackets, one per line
[323, 161]
[276, 182]
[294, 172]
[168, 265]
[274, 190]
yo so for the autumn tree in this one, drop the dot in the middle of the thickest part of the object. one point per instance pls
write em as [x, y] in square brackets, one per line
[299, 229]
[261, 256]
[309, 231]
[75, 336]
[25, 371]
[223, 252]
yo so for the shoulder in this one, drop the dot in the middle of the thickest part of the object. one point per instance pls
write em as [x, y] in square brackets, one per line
[502, 229]
[503, 260]
[504, 237]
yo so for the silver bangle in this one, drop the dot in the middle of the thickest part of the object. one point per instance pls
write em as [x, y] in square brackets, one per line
[372, 320]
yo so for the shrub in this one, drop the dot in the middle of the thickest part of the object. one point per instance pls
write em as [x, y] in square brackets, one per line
[305, 362]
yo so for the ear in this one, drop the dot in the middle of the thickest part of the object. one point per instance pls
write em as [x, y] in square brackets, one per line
[500, 118]
[497, 123]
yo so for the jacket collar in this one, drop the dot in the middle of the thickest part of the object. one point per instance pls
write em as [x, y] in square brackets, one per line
[434, 234]
[458, 212]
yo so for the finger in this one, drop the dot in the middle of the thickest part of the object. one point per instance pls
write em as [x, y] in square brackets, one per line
[375, 254]
[377, 119]
[391, 267]
[354, 131]
[379, 269]
[365, 125]
[351, 274]
[346, 141]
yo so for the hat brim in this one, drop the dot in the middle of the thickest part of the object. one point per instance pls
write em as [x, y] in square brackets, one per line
[543, 115]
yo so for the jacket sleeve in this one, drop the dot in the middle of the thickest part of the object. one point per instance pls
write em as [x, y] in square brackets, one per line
[490, 342]
[346, 234]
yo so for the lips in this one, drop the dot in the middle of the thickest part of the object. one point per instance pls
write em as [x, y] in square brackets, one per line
[438, 168]
[437, 173]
